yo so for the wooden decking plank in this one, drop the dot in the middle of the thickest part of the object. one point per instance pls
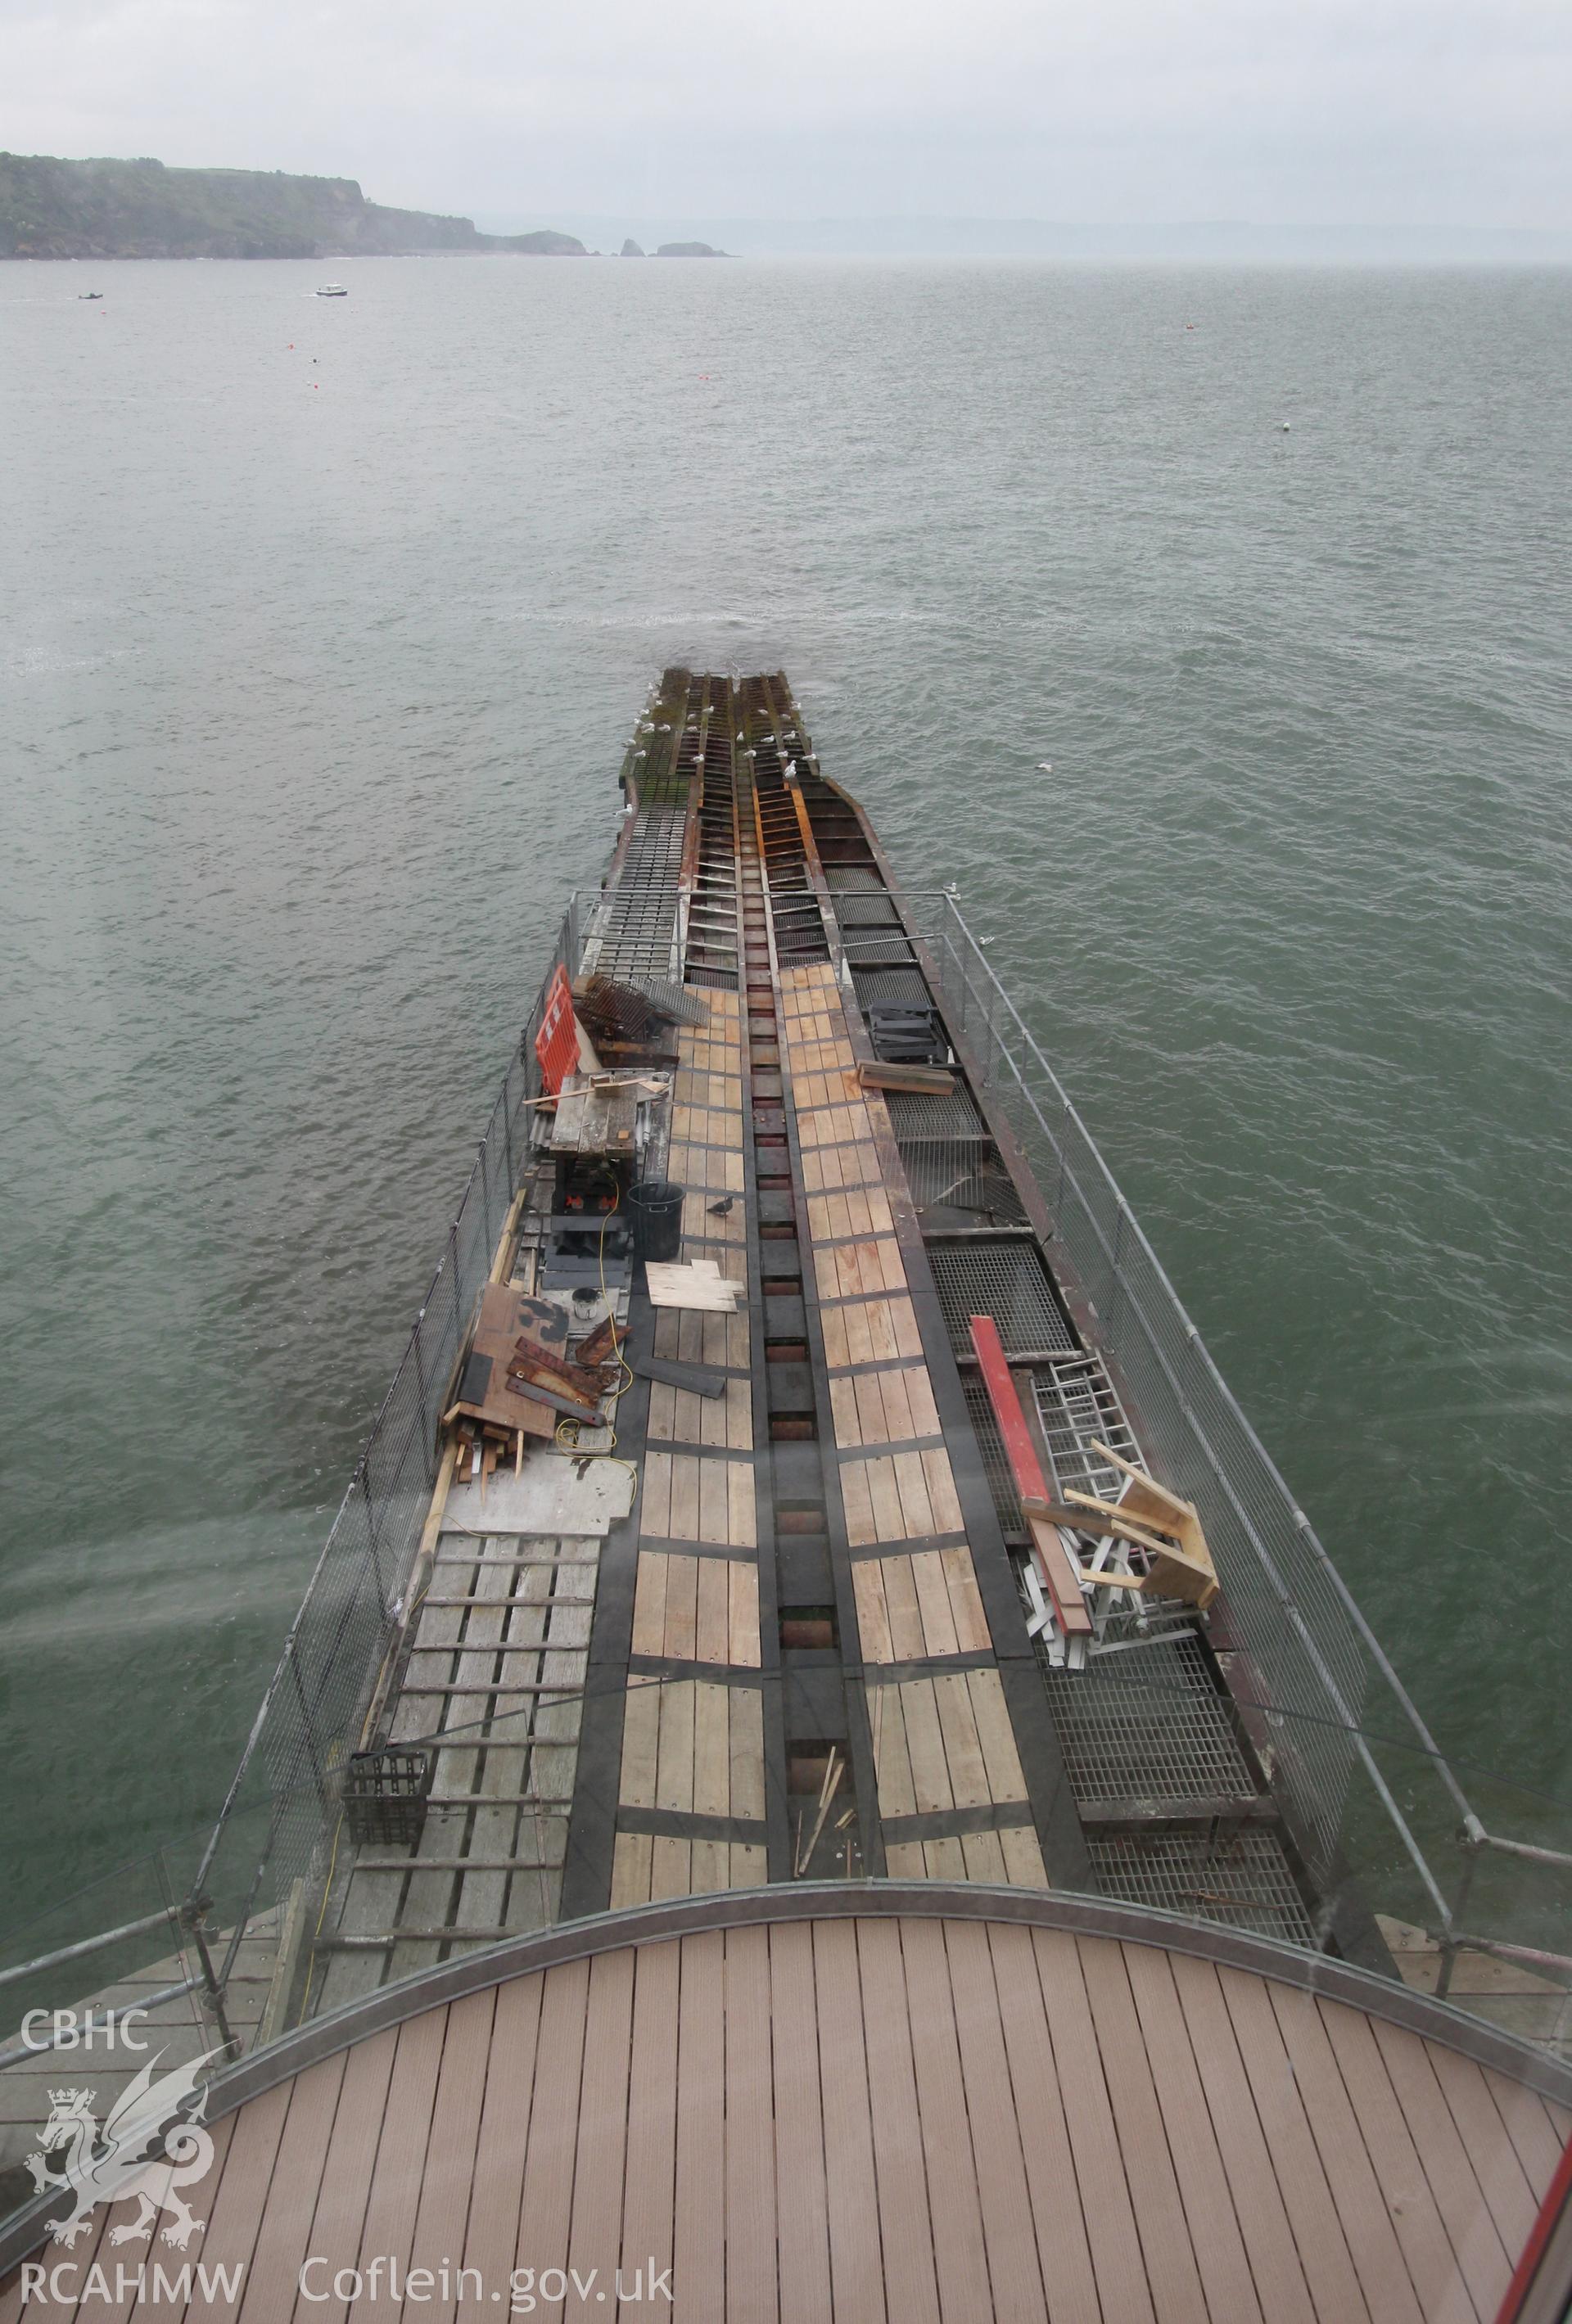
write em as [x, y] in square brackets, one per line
[681, 1627]
[711, 1750]
[649, 1604]
[1009, 2230]
[685, 1506]
[1022, 1854]
[742, 1614]
[892, 1759]
[745, 1707]
[1373, 2244]
[965, 1603]
[917, 1511]
[595, 2235]
[641, 1743]
[1203, 2182]
[235, 2212]
[751, 2229]
[712, 1612]
[801, 2193]
[873, 1616]
[712, 1501]
[342, 2185]
[741, 1519]
[284, 2238]
[940, 1478]
[932, 1587]
[546, 2212]
[650, 2187]
[401, 2157]
[674, 1760]
[905, 2204]
[1531, 2128]
[1118, 2250]
[968, 1775]
[1059, 2220]
[698, 2243]
[1162, 2219]
[982, 1857]
[630, 1869]
[903, 1607]
[1442, 2296]
[1258, 2202]
[448, 2182]
[961, 2256]
[930, 1779]
[1507, 2191]
[670, 1868]
[995, 1735]
[1290, 2142]
[1481, 2255]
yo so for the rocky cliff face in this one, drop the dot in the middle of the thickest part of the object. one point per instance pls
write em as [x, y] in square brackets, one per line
[52, 208]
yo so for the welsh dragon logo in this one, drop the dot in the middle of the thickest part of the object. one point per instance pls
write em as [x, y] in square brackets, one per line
[142, 2154]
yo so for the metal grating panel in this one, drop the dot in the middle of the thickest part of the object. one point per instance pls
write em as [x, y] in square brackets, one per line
[916, 1116]
[1239, 1878]
[1148, 1724]
[890, 984]
[638, 924]
[1006, 1280]
[865, 946]
[961, 1181]
[852, 880]
[865, 911]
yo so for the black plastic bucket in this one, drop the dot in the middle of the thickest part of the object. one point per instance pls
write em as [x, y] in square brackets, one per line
[657, 1209]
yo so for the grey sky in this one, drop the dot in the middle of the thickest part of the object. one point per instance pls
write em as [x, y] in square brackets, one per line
[1399, 111]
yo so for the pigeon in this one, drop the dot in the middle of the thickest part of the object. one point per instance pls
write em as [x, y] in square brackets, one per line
[718, 1210]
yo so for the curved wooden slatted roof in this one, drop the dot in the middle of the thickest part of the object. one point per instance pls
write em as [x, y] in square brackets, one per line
[857, 2104]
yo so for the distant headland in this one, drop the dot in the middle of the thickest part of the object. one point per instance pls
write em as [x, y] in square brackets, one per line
[52, 209]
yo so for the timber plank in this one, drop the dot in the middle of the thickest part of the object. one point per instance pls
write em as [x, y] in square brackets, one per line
[698, 2248]
[965, 1603]
[904, 2213]
[1023, 1853]
[1118, 2249]
[995, 1735]
[1443, 2295]
[546, 2212]
[1328, 2265]
[711, 1751]
[1481, 2253]
[930, 1778]
[1019, 2295]
[968, 1776]
[961, 2256]
[595, 2232]
[750, 2129]
[1203, 2182]
[746, 1714]
[674, 1758]
[872, 1617]
[801, 2158]
[650, 2192]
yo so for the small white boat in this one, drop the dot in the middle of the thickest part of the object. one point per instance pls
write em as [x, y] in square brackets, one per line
[331, 290]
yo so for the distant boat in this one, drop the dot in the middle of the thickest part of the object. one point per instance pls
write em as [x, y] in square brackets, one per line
[331, 290]
[89, 294]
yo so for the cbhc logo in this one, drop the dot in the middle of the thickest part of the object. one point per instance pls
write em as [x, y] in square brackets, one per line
[66, 2029]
